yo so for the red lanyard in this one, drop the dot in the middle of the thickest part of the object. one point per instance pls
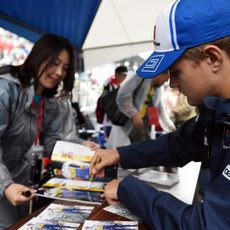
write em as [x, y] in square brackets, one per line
[40, 118]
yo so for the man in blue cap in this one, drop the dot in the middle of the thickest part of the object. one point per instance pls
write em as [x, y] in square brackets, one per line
[192, 42]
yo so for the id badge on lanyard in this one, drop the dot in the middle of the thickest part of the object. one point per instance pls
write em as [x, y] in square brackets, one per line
[36, 150]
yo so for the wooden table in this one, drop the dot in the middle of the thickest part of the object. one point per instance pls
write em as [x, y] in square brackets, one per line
[100, 214]
[184, 190]
[97, 214]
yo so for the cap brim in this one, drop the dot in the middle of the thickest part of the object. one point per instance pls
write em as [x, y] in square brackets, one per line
[157, 63]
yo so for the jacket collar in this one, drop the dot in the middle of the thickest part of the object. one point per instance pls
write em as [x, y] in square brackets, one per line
[217, 108]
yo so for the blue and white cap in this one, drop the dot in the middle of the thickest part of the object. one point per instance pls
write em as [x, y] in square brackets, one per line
[182, 25]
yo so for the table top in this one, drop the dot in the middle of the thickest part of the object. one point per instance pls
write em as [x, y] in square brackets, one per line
[188, 177]
[184, 190]
[186, 187]
[97, 214]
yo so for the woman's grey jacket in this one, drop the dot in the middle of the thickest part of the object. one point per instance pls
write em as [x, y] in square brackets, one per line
[18, 128]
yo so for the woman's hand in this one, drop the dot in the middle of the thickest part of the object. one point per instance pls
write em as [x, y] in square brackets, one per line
[13, 193]
[92, 145]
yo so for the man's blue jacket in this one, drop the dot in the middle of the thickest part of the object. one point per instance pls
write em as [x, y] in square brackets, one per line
[205, 138]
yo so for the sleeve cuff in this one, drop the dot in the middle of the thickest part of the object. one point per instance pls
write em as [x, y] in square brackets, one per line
[4, 186]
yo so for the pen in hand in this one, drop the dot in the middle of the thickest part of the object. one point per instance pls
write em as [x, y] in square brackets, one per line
[90, 181]
[26, 193]
[92, 175]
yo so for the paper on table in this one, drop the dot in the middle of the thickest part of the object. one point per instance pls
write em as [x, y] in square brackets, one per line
[121, 211]
[66, 213]
[86, 197]
[74, 184]
[72, 190]
[36, 224]
[95, 225]
[161, 178]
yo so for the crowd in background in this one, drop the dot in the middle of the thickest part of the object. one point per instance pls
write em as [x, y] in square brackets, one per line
[88, 85]
[13, 49]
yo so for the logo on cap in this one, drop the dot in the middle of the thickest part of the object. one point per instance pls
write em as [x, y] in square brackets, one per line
[153, 63]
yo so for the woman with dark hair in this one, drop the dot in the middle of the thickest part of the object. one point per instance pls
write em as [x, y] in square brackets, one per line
[30, 116]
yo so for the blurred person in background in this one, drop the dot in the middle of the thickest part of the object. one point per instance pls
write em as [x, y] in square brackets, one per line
[134, 97]
[111, 84]
[182, 110]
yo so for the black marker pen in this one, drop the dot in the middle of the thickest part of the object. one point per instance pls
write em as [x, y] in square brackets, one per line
[26, 193]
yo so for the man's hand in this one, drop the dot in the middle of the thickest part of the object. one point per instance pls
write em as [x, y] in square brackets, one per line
[92, 145]
[14, 194]
[110, 192]
[103, 158]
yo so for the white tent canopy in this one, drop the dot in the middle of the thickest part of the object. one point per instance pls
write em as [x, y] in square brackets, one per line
[121, 29]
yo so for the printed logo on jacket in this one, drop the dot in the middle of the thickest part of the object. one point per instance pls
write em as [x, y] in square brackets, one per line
[226, 172]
